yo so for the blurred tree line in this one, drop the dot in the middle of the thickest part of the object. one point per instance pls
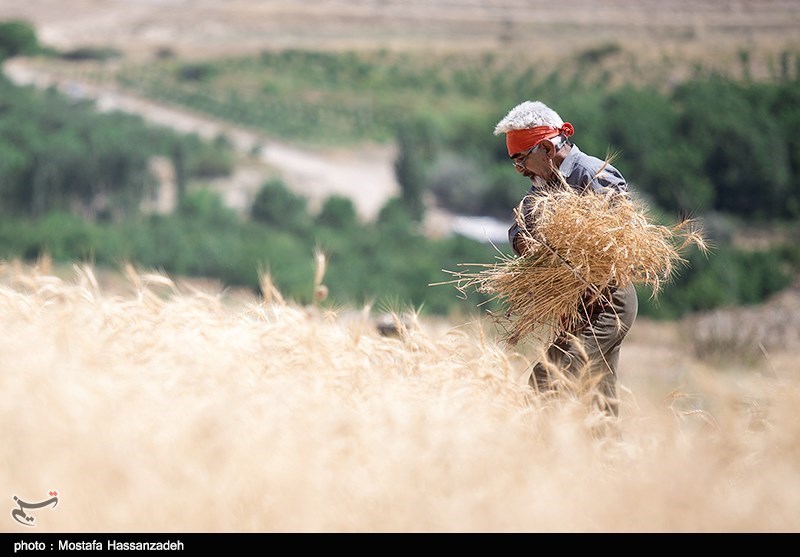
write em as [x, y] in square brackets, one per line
[388, 263]
[59, 154]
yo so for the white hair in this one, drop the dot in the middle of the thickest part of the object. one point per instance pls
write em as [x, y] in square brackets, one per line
[527, 115]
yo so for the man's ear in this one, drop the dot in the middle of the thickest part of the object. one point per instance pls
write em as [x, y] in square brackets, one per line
[549, 148]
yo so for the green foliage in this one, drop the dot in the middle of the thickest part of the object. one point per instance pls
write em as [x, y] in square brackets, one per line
[278, 207]
[17, 37]
[64, 237]
[206, 206]
[57, 154]
[416, 141]
[383, 263]
[587, 112]
[319, 97]
[211, 162]
[504, 192]
[744, 155]
[389, 263]
[196, 72]
[91, 53]
[394, 220]
[338, 212]
[729, 277]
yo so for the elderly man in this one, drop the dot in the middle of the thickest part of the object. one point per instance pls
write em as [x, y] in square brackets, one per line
[540, 148]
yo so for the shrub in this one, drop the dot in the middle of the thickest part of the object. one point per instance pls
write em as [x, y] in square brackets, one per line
[17, 37]
[338, 212]
[278, 207]
[91, 53]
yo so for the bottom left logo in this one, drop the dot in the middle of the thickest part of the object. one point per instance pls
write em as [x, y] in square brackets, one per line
[26, 519]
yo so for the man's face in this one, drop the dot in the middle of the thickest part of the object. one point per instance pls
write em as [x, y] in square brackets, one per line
[533, 162]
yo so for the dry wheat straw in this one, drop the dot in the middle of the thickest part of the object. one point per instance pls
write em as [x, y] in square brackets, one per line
[150, 408]
[576, 247]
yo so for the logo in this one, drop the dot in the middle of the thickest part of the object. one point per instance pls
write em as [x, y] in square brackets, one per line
[25, 518]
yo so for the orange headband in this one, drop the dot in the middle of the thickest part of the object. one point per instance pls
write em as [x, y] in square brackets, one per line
[518, 141]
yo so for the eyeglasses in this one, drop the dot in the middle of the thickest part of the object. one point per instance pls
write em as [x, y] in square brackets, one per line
[519, 160]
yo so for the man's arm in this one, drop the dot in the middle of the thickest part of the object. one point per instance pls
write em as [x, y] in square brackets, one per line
[515, 239]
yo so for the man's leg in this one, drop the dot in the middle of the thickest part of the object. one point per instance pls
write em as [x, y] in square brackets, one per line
[556, 360]
[601, 342]
[594, 350]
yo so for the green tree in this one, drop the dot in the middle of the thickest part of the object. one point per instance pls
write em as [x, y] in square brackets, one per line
[276, 206]
[17, 37]
[338, 212]
[417, 142]
[745, 157]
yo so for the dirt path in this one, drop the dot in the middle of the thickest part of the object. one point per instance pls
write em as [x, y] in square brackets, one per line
[365, 175]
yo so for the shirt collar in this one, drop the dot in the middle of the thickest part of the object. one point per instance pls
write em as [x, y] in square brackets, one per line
[568, 164]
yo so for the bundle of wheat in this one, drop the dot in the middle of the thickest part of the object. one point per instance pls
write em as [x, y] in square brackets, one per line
[575, 247]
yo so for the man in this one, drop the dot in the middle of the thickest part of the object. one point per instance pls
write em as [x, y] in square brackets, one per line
[539, 145]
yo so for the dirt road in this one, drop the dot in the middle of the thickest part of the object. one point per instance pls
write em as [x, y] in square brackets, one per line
[365, 175]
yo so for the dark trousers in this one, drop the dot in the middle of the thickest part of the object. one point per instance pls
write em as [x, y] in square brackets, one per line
[591, 352]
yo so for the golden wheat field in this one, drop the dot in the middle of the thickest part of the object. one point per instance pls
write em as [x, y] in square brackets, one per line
[154, 404]
[157, 406]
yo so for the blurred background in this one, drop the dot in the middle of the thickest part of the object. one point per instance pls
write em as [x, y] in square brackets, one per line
[222, 140]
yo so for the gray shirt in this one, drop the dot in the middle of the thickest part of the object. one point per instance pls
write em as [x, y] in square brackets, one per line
[582, 172]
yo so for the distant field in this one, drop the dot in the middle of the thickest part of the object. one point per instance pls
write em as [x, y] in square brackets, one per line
[709, 31]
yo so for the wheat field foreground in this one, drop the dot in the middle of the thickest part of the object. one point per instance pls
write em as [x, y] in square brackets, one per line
[159, 408]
